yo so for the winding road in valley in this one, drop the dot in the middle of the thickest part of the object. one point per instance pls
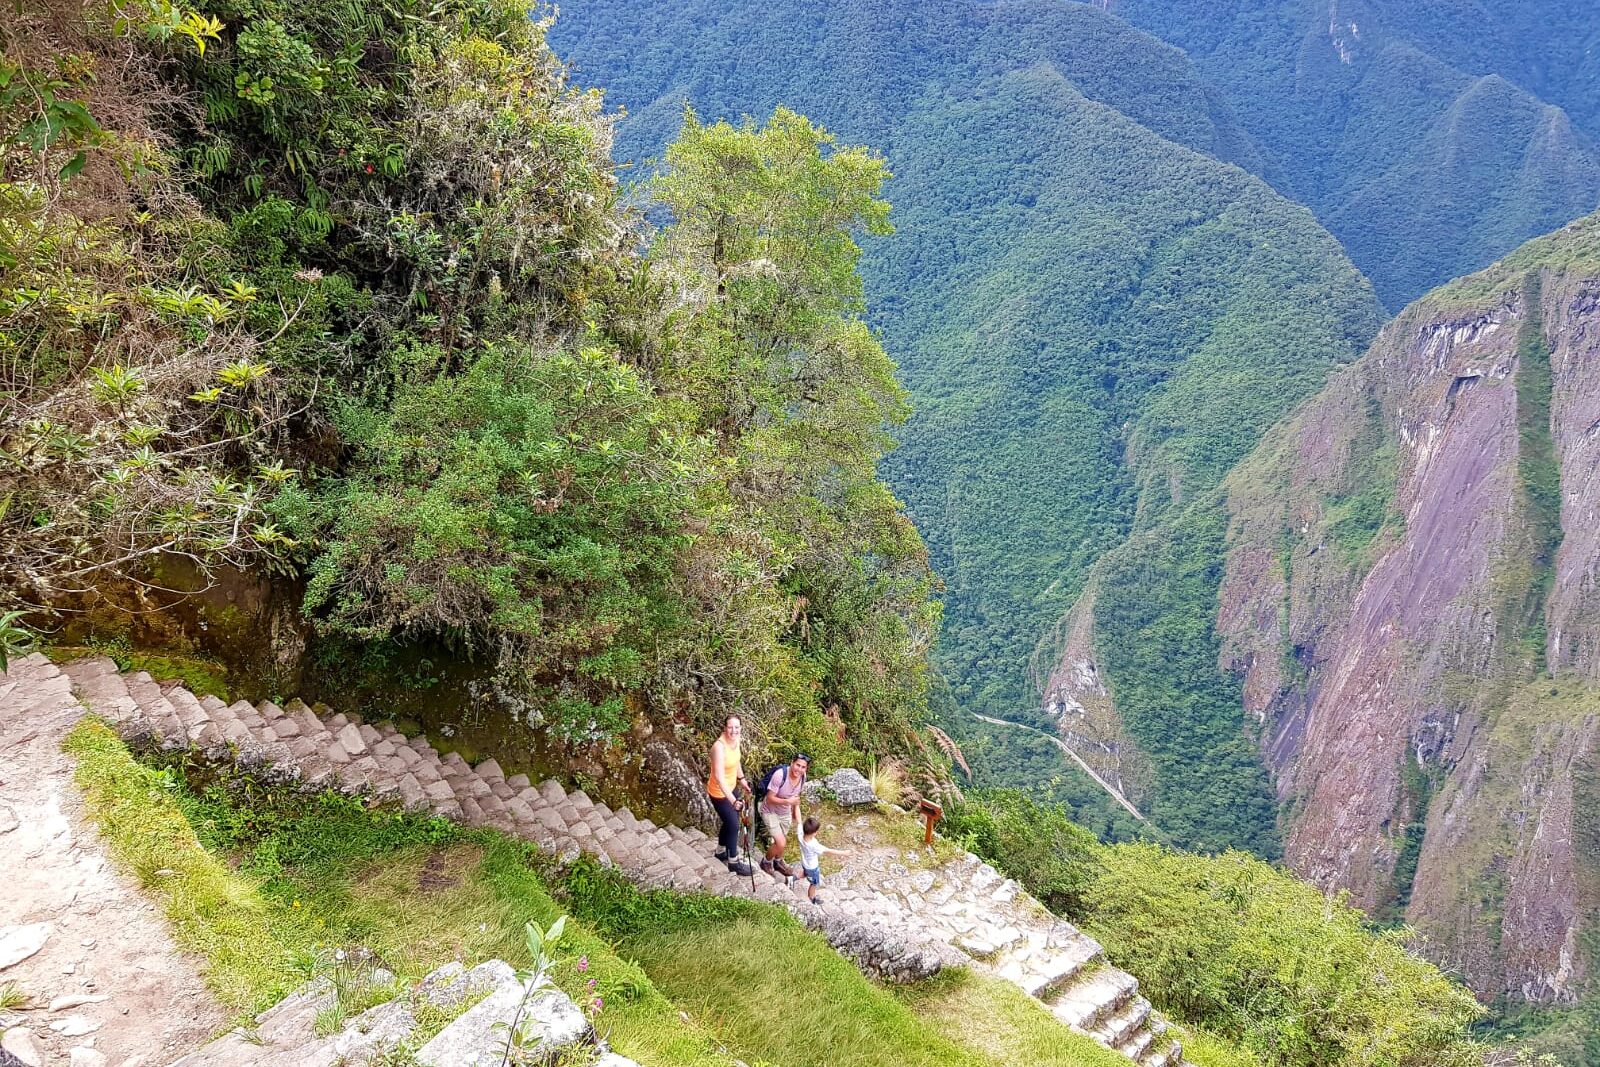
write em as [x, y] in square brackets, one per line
[1116, 794]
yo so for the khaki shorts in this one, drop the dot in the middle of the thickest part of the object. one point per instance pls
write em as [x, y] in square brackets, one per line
[784, 825]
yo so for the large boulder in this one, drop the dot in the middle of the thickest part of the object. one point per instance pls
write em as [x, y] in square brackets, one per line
[850, 788]
[549, 1024]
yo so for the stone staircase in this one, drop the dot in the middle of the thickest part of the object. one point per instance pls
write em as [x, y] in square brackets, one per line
[895, 922]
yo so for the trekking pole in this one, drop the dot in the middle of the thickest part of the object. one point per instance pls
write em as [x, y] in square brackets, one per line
[750, 838]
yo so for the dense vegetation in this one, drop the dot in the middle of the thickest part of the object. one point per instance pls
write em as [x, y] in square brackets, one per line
[348, 296]
[1093, 322]
[1155, 637]
[1422, 134]
[1234, 945]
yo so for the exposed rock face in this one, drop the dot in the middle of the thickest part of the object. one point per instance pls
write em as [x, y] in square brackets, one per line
[1392, 600]
[1075, 697]
[1410, 597]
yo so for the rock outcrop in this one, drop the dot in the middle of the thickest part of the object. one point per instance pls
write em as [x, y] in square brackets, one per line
[1411, 599]
[486, 1003]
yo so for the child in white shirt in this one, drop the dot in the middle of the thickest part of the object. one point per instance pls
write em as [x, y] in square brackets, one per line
[811, 853]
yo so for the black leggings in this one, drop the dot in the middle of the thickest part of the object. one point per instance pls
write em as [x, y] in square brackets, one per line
[728, 836]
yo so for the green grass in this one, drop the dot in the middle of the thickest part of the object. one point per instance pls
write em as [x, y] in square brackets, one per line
[992, 1015]
[314, 874]
[774, 992]
[12, 995]
[214, 912]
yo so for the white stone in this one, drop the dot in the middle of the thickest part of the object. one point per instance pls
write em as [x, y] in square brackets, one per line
[351, 741]
[83, 1056]
[17, 943]
[76, 1000]
[20, 1043]
[8, 820]
[75, 1026]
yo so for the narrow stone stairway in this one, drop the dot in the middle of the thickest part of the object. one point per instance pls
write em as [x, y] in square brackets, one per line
[896, 923]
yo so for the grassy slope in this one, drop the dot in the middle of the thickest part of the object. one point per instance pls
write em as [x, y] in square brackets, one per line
[775, 996]
[317, 875]
[321, 873]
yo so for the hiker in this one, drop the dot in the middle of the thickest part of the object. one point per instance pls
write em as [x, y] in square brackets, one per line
[811, 853]
[722, 785]
[780, 810]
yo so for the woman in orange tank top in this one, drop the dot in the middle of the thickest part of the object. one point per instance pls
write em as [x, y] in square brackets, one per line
[722, 786]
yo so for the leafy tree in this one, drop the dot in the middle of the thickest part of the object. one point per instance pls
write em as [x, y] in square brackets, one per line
[770, 352]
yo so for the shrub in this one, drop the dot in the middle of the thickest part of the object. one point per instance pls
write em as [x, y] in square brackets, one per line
[1253, 954]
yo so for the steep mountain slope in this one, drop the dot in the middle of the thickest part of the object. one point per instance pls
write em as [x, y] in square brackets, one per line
[1092, 319]
[857, 66]
[1429, 137]
[1410, 603]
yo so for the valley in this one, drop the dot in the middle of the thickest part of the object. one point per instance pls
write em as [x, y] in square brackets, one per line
[1159, 446]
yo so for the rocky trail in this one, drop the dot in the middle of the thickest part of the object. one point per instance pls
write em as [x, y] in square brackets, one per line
[106, 985]
[896, 915]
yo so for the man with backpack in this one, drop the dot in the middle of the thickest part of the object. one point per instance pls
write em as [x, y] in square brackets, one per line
[780, 810]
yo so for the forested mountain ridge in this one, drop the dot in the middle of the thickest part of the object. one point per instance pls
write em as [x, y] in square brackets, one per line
[1094, 321]
[1429, 137]
[865, 64]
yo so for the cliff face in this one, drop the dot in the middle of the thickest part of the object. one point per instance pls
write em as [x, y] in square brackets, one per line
[1409, 602]
[1410, 599]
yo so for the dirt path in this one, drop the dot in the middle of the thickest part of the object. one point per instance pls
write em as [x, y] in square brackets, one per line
[122, 991]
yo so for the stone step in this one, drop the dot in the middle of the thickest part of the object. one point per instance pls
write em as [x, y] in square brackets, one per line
[1164, 1055]
[104, 690]
[1099, 994]
[1135, 1045]
[1060, 966]
[1126, 1025]
[32, 668]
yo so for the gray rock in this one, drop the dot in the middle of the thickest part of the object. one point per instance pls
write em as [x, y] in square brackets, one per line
[878, 950]
[20, 1043]
[453, 985]
[666, 772]
[76, 1000]
[374, 1032]
[17, 943]
[293, 1020]
[84, 1056]
[75, 1026]
[850, 788]
[550, 1022]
